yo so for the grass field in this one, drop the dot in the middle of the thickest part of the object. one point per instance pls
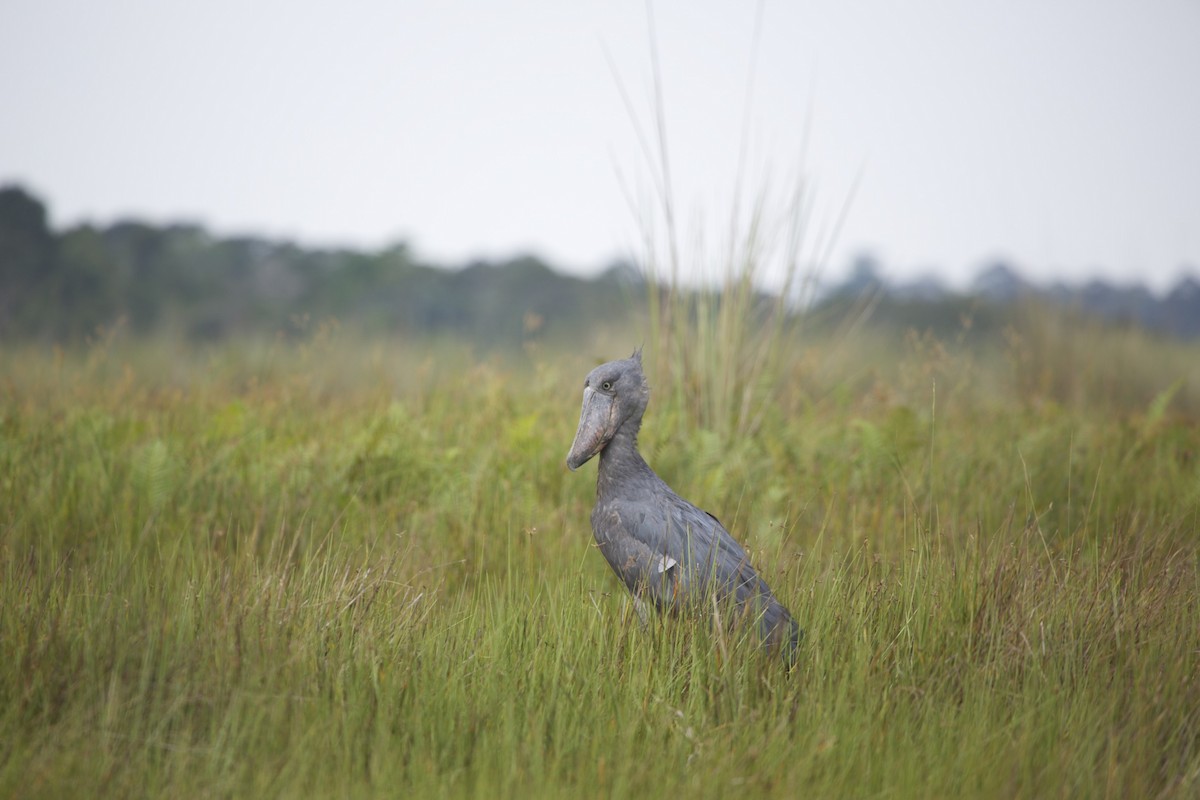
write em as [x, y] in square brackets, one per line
[337, 568]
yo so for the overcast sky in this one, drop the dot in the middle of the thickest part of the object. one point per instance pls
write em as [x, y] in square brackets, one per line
[1062, 135]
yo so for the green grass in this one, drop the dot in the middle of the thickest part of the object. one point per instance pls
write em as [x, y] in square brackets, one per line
[343, 569]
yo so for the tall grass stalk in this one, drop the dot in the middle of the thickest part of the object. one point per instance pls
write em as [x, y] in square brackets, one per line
[720, 328]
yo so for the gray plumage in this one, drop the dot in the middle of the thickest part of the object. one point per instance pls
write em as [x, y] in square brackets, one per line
[666, 550]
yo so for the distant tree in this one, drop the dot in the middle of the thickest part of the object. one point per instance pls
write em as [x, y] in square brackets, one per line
[866, 276]
[139, 250]
[1000, 282]
[88, 291]
[27, 252]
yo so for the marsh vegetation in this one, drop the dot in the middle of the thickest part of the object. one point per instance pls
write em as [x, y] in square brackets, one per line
[344, 567]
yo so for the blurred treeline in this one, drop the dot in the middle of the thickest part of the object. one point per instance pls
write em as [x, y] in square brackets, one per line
[180, 280]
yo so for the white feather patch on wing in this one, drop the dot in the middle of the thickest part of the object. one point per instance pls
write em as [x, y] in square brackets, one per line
[665, 562]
